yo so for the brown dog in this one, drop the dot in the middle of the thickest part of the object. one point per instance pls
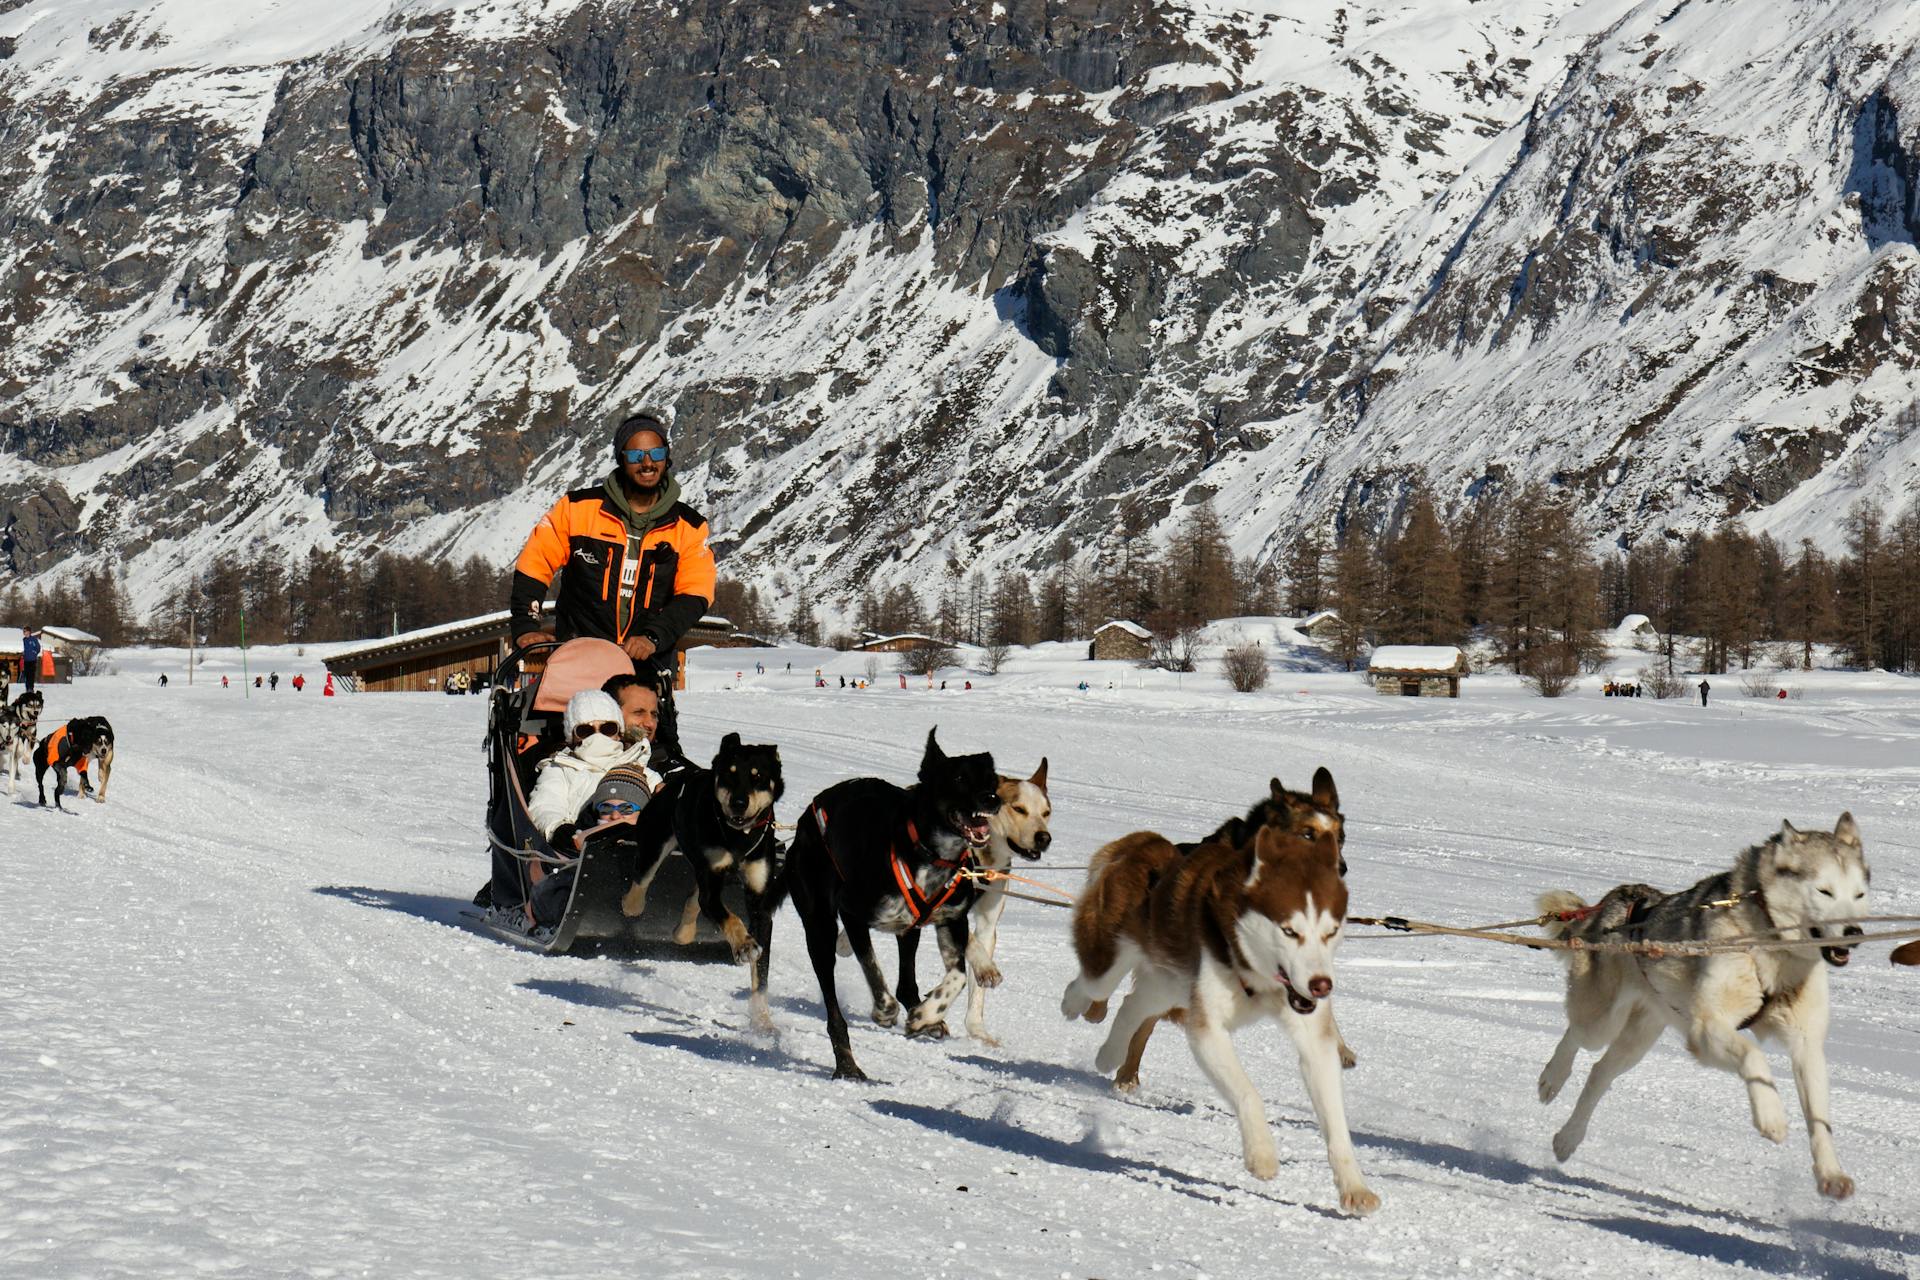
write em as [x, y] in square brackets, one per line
[1227, 935]
[1300, 812]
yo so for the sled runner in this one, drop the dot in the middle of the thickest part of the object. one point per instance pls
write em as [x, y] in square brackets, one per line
[524, 727]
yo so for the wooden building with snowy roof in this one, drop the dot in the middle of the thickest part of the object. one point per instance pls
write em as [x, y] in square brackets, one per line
[1417, 670]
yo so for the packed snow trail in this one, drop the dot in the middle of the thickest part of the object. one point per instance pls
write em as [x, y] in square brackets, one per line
[243, 1032]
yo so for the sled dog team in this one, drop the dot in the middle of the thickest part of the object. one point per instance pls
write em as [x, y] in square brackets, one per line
[1220, 933]
[74, 745]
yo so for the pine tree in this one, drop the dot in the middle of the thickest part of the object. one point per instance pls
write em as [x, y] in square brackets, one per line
[1305, 571]
[1422, 580]
[1808, 601]
[1354, 594]
[1863, 584]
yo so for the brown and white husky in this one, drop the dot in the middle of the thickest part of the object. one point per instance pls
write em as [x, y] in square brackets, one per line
[1229, 935]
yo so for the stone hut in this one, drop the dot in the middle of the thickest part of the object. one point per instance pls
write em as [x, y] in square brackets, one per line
[1321, 626]
[1417, 670]
[1121, 641]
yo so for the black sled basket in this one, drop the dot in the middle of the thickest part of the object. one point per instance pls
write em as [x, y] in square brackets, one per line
[524, 726]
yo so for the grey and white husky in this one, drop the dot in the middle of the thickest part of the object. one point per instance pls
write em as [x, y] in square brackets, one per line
[19, 724]
[1794, 885]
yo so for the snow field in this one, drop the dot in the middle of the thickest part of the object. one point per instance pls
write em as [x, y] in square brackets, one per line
[243, 1032]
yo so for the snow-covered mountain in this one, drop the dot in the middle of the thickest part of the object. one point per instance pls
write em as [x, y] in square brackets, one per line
[931, 283]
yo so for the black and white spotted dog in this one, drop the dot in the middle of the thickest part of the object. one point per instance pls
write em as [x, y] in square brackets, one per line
[19, 728]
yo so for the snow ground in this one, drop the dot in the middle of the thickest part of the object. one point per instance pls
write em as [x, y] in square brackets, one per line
[242, 1031]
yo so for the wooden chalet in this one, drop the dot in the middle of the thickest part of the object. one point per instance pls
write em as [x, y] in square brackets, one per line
[420, 661]
[906, 642]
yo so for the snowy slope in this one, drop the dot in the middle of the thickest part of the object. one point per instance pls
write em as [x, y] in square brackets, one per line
[931, 285]
[245, 1035]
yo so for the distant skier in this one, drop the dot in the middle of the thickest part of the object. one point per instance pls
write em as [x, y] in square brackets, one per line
[299, 683]
[273, 682]
[224, 684]
[1704, 686]
[163, 679]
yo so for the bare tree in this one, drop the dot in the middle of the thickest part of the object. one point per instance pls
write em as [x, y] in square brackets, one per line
[1660, 681]
[1175, 648]
[926, 660]
[994, 656]
[1551, 669]
[1246, 667]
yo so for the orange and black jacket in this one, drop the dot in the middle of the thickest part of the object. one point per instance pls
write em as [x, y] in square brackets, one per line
[626, 575]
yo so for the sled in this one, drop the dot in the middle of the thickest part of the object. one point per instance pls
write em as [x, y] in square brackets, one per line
[524, 726]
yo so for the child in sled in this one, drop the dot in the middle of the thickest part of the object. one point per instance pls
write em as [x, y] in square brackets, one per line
[566, 795]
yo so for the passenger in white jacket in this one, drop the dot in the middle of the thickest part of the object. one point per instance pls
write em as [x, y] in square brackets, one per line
[567, 778]
[567, 781]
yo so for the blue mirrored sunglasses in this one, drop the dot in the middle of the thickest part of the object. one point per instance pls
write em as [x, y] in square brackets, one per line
[616, 806]
[656, 454]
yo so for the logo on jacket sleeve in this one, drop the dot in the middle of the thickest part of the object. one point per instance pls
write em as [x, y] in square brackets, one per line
[586, 556]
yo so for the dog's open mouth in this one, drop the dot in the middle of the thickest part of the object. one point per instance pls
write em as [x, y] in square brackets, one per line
[1300, 1003]
[974, 827]
[1031, 855]
[1838, 956]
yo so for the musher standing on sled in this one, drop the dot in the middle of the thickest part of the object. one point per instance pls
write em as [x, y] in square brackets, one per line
[638, 568]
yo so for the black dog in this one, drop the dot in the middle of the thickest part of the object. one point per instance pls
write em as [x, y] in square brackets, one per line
[871, 855]
[722, 820]
[71, 746]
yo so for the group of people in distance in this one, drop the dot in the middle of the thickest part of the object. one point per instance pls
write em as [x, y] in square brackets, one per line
[1620, 689]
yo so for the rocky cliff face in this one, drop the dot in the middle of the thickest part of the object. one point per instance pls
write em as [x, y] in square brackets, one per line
[929, 283]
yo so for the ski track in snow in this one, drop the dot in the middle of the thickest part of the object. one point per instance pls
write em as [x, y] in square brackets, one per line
[243, 1032]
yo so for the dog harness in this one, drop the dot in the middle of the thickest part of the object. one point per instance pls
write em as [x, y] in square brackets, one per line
[51, 750]
[919, 904]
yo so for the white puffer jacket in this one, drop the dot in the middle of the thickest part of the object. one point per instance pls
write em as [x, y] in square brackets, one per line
[568, 778]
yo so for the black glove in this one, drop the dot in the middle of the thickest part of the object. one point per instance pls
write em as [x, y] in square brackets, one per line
[562, 838]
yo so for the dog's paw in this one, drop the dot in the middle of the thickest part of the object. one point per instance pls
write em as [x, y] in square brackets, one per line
[1358, 1201]
[1835, 1185]
[927, 1031]
[849, 1070]
[1348, 1061]
[1097, 1011]
[1550, 1087]
[759, 1016]
[1126, 1084]
[978, 1030]
[1566, 1142]
[1113, 1051]
[686, 933]
[747, 954]
[987, 975]
[1073, 1001]
[886, 1012]
[1263, 1162]
[633, 903]
[1769, 1117]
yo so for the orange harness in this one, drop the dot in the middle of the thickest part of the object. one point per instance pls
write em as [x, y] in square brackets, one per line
[919, 904]
[51, 750]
